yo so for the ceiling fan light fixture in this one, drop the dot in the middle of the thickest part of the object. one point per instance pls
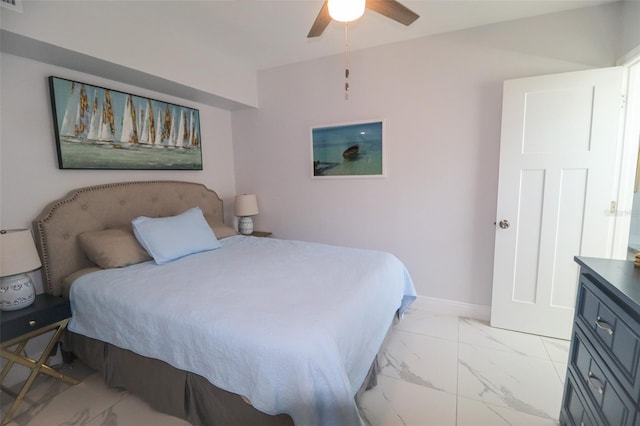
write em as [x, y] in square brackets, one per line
[346, 10]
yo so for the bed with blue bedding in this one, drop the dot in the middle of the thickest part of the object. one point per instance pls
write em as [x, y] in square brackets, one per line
[255, 330]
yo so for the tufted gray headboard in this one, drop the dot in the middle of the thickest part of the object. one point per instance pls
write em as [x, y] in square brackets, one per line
[109, 206]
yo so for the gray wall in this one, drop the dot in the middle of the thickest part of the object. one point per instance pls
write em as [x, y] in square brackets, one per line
[29, 174]
[441, 99]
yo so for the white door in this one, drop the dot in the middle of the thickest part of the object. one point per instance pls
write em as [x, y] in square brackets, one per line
[555, 193]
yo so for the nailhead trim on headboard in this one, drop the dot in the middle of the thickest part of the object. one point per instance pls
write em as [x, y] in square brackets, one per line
[104, 206]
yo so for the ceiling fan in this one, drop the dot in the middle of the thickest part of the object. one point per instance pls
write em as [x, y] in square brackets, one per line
[389, 8]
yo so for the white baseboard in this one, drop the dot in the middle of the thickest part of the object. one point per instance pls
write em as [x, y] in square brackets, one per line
[452, 307]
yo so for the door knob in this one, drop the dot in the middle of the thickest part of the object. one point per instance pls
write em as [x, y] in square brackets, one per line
[504, 224]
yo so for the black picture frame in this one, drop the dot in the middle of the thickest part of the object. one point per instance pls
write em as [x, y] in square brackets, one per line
[106, 129]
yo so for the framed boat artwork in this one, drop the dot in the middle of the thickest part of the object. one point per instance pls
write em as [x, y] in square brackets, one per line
[348, 150]
[99, 128]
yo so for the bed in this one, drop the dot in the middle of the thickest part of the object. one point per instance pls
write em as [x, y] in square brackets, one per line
[253, 331]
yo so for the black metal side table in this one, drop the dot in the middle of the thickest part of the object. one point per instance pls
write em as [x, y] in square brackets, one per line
[47, 313]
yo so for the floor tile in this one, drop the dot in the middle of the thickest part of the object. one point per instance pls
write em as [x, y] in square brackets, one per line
[437, 369]
[475, 413]
[133, 411]
[480, 333]
[76, 405]
[422, 360]
[422, 321]
[557, 349]
[39, 395]
[43, 390]
[522, 383]
[395, 402]
[561, 369]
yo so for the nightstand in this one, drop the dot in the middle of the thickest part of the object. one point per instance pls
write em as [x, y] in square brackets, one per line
[260, 234]
[47, 313]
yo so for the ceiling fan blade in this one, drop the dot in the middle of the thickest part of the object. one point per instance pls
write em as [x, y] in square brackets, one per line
[394, 10]
[321, 22]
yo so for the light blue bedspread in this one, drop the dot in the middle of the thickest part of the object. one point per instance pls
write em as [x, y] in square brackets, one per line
[293, 326]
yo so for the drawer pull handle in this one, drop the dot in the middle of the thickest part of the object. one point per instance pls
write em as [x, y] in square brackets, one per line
[32, 323]
[592, 379]
[603, 325]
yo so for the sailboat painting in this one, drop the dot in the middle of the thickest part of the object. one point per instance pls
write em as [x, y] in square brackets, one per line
[99, 128]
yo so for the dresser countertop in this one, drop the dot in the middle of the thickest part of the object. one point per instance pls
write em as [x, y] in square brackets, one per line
[623, 276]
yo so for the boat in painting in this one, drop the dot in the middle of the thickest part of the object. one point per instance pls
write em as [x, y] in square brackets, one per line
[129, 132]
[147, 125]
[351, 153]
[135, 122]
[96, 120]
[74, 123]
[91, 116]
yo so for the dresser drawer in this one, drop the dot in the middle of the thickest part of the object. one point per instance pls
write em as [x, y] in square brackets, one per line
[575, 411]
[599, 384]
[619, 334]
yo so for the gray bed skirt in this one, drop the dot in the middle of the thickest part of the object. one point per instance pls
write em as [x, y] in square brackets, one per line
[176, 392]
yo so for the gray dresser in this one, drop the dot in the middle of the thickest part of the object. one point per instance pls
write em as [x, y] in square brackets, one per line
[603, 376]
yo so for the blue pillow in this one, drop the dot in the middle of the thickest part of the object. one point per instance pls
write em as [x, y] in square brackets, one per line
[169, 238]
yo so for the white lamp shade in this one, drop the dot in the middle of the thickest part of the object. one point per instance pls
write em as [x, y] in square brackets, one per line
[346, 10]
[18, 253]
[246, 205]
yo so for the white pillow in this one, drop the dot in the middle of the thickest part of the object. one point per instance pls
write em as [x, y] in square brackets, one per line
[169, 238]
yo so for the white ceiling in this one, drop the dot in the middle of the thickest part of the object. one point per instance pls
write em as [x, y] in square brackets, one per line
[268, 33]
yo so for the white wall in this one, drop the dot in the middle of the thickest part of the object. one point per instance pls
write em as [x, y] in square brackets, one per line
[589, 36]
[630, 26]
[29, 175]
[128, 35]
[440, 98]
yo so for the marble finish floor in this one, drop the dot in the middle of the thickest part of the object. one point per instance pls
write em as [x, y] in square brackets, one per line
[437, 369]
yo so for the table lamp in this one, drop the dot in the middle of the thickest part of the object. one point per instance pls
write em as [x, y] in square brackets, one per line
[246, 206]
[18, 255]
